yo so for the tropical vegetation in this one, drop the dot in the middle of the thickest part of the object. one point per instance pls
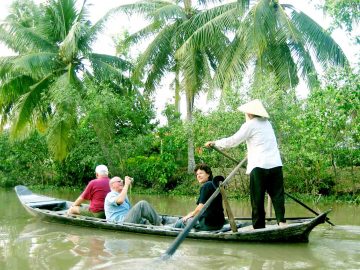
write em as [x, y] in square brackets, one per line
[232, 40]
[74, 108]
[42, 86]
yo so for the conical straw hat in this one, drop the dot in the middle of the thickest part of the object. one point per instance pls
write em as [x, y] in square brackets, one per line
[254, 107]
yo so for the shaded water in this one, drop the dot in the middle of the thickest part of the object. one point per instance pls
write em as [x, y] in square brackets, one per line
[27, 243]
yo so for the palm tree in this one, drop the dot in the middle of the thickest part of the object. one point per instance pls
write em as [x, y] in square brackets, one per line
[42, 86]
[268, 38]
[169, 24]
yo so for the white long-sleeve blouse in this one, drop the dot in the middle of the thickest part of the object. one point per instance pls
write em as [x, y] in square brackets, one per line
[261, 144]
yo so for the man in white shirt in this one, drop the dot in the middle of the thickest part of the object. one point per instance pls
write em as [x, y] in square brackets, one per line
[264, 161]
[118, 207]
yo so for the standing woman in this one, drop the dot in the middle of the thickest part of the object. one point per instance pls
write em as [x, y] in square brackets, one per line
[264, 161]
[213, 218]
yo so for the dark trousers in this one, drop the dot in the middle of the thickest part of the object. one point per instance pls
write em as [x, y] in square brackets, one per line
[272, 182]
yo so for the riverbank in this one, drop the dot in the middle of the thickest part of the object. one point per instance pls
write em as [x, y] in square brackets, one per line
[342, 187]
[353, 199]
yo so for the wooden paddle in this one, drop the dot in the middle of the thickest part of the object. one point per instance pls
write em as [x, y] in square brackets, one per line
[287, 194]
[178, 240]
[308, 208]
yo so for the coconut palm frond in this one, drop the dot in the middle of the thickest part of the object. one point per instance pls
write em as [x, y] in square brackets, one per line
[305, 64]
[24, 109]
[109, 68]
[327, 50]
[26, 13]
[233, 63]
[140, 7]
[91, 34]
[277, 59]
[13, 88]
[206, 78]
[243, 3]
[59, 17]
[113, 60]
[22, 39]
[286, 25]
[83, 14]
[158, 55]
[206, 2]
[248, 44]
[262, 29]
[193, 70]
[144, 33]
[63, 92]
[205, 25]
[168, 12]
[5, 113]
[69, 47]
[36, 64]
[6, 66]
[216, 49]
[13, 83]
[153, 10]
[59, 133]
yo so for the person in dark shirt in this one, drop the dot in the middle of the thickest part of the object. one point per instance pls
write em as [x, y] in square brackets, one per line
[213, 218]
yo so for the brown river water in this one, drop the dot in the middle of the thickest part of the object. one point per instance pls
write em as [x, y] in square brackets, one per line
[28, 243]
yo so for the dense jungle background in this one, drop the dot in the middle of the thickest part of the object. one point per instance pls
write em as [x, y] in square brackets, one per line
[65, 109]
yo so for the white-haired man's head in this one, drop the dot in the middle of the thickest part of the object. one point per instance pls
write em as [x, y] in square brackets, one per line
[101, 170]
[116, 184]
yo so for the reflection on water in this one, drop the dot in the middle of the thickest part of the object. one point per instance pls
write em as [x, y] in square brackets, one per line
[27, 243]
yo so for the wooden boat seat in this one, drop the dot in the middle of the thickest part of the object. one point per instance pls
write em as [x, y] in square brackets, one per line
[54, 205]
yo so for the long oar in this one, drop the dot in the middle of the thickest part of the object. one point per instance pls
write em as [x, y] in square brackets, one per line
[171, 250]
[308, 208]
[287, 194]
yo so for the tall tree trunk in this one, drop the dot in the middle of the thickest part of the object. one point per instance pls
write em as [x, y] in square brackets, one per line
[190, 95]
[177, 91]
[189, 129]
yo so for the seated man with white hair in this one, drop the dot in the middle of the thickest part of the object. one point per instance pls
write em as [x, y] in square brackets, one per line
[118, 207]
[95, 192]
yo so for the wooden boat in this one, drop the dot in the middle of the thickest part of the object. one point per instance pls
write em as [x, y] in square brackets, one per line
[55, 210]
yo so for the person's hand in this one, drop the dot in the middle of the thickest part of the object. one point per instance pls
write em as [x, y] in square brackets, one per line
[185, 218]
[71, 209]
[128, 180]
[209, 144]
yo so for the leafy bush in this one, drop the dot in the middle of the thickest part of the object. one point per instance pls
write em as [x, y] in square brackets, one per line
[25, 162]
[153, 171]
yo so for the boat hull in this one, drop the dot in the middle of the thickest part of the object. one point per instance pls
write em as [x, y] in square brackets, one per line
[54, 210]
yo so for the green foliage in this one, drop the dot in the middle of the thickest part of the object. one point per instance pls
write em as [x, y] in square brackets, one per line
[169, 25]
[152, 172]
[217, 125]
[267, 38]
[345, 13]
[323, 133]
[42, 86]
[101, 117]
[111, 125]
[24, 162]
[162, 160]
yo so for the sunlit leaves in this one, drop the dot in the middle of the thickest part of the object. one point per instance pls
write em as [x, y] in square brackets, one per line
[42, 86]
